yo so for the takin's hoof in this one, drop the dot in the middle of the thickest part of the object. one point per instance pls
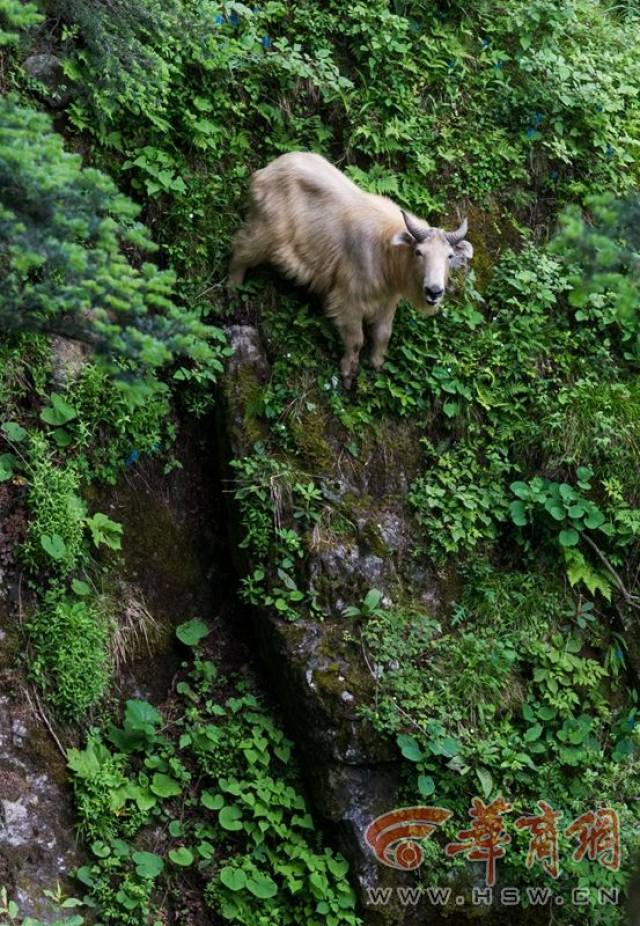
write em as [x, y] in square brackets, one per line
[348, 379]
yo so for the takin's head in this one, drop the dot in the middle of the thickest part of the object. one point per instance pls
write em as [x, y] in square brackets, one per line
[435, 252]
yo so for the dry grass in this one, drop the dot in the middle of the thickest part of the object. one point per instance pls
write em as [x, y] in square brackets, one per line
[134, 627]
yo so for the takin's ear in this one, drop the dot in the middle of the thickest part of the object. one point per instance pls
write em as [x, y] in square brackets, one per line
[403, 237]
[462, 253]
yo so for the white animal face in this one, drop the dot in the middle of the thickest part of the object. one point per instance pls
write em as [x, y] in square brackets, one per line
[435, 252]
[433, 256]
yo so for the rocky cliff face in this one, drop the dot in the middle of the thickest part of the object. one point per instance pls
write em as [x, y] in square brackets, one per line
[314, 526]
[172, 569]
[321, 674]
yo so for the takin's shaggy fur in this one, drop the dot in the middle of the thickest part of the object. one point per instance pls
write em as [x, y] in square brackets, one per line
[361, 252]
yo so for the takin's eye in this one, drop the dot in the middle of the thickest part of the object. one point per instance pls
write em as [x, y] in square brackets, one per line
[451, 256]
[418, 252]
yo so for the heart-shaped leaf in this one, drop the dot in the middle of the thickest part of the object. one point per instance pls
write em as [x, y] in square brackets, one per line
[148, 865]
[229, 818]
[568, 538]
[59, 412]
[426, 785]
[191, 632]
[165, 786]
[13, 431]
[181, 856]
[233, 878]
[54, 545]
[409, 747]
[262, 887]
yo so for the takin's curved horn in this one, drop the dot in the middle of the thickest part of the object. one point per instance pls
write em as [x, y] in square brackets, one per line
[418, 232]
[455, 236]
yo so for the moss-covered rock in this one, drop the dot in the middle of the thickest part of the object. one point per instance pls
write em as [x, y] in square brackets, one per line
[362, 539]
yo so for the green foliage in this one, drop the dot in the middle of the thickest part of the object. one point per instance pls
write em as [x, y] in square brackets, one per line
[184, 95]
[221, 784]
[461, 500]
[57, 512]
[62, 229]
[11, 910]
[524, 390]
[70, 661]
[14, 17]
[56, 536]
[192, 632]
[514, 696]
[607, 253]
[369, 607]
[277, 505]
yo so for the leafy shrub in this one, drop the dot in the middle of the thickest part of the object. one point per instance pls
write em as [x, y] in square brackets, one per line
[221, 783]
[605, 255]
[459, 501]
[16, 16]
[110, 428]
[514, 694]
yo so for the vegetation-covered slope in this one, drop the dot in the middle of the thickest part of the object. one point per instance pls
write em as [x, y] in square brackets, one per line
[483, 487]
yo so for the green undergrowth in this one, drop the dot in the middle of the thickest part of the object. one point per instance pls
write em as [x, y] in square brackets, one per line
[512, 415]
[182, 100]
[59, 442]
[522, 684]
[204, 793]
[518, 693]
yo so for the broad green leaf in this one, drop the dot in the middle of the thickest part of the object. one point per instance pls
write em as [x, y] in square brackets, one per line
[148, 865]
[165, 786]
[409, 747]
[230, 818]
[191, 632]
[262, 887]
[486, 781]
[182, 857]
[233, 878]
[59, 412]
[211, 801]
[81, 588]
[140, 715]
[594, 519]
[13, 432]
[533, 733]
[54, 545]
[105, 531]
[372, 599]
[568, 538]
[7, 464]
[518, 514]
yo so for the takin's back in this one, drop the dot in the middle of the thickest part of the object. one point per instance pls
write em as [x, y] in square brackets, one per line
[317, 226]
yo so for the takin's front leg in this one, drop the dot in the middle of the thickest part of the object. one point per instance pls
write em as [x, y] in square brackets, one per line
[251, 247]
[380, 334]
[352, 339]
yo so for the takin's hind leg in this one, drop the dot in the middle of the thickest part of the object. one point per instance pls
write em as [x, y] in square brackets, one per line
[250, 248]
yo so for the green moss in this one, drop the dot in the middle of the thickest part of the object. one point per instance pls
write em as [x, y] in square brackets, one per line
[309, 435]
[70, 662]
[56, 508]
[248, 398]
